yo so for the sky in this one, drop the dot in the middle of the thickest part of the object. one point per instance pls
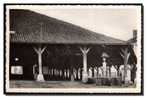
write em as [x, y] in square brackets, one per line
[117, 22]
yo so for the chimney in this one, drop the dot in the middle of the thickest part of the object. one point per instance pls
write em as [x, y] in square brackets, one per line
[135, 34]
[135, 37]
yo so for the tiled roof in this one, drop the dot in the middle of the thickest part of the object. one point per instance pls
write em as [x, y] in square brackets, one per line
[32, 27]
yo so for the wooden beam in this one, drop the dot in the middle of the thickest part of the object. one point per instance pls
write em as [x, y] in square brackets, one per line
[85, 74]
[125, 55]
[39, 52]
[85, 50]
[43, 49]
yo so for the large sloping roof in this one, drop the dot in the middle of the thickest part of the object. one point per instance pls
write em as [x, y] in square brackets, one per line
[32, 27]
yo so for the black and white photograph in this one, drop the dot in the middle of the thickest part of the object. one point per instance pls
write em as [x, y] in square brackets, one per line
[73, 49]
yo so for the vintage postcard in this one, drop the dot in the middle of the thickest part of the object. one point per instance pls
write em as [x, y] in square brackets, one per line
[73, 49]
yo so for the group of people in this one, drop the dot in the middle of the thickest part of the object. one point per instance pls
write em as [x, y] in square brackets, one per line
[103, 71]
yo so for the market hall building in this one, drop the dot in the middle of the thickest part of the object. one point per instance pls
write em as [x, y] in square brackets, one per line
[43, 48]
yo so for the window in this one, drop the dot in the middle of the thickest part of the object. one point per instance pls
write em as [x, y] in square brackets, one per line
[17, 70]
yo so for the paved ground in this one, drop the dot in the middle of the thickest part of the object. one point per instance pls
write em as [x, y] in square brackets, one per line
[54, 84]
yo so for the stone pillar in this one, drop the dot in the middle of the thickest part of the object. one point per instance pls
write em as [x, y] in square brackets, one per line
[84, 73]
[104, 64]
[104, 67]
[85, 76]
[40, 76]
